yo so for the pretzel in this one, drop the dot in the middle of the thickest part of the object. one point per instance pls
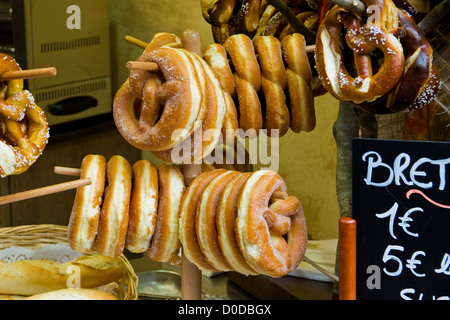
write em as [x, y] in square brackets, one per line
[206, 226]
[272, 237]
[299, 83]
[216, 57]
[274, 83]
[248, 80]
[202, 142]
[362, 40]
[246, 19]
[180, 96]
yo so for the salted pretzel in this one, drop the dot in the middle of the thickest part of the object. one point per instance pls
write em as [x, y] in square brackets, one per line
[179, 95]
[299, 83]
[247, 75]
[273, 84]
[362, 40]
[24, 128]
[272, 237]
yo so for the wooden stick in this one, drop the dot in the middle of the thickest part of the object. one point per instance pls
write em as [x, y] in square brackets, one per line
[318, 267]
[29, 74]
[356, 6]
[44, 191]
[141, 65]
[68, 171]
[136, 42]
[347, 259]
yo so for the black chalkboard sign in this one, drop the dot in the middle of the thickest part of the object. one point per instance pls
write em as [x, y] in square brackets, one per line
[401, 203]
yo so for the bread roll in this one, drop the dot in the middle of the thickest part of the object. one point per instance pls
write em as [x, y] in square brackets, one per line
[40, 276]
[73, 294]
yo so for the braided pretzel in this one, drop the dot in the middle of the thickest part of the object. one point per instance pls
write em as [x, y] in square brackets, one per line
[274, 83]
[180, 94]
[272, 238]
[248, 80]
[24, 127]
[362, 40]
[301, 99]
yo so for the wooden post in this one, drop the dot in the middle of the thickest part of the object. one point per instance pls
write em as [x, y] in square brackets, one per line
[347, 259]
[191, 276]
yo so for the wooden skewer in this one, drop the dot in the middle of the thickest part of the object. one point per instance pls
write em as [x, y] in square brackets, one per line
[29, 74]
[140, 65]
[136, 42]
[44, 191]
[277, 195]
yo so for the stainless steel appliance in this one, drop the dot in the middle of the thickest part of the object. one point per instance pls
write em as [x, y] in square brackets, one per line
[72, 36]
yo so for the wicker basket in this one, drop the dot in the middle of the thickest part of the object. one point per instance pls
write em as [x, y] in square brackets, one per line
[38, 236]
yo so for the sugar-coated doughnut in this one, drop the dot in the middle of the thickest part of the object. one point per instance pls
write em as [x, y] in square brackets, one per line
[165, 243]
[114, 215]
[84, 218]
[143, 206]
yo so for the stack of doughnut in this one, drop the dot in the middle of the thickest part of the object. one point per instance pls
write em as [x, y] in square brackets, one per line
[255, 17]
[24, 130]
[243, 84]
[224, 220]
[382, 63]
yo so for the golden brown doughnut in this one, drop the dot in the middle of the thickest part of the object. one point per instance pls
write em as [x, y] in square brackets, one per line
[143, 206]
[206, 226]
[274, 83]
[84, 218]
[180, 96]
[187, 218]
[226, 223]
[165, 243]
[272, 239]
[114, 215]
[299, 75]
[248, 80]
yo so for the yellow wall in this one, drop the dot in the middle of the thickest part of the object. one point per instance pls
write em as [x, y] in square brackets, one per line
[307, 160]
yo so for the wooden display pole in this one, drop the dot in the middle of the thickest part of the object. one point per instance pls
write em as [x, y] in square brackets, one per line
[191, 276]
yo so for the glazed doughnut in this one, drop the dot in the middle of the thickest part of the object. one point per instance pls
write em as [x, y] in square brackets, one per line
[84, 218]
[226, 223]
[179, 95]
[247, 75]
[165, 243]
[202, 142]
[272, 239]
[216, 57]
[143, 206]
[362, 40]
[114, 215]
[187, 219]
[24, 130]
[299, 83]
[206, 226]
[273, 84]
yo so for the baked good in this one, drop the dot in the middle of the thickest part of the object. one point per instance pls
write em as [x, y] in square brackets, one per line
[272, 237]
[31, 277]
[114, 214]
[165, 243]
[84, 218]
[74, 294]
[143, 206]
